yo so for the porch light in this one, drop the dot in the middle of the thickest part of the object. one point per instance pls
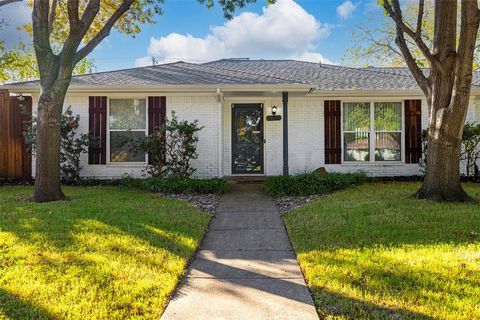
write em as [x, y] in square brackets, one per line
[274, 110]
[20, 98]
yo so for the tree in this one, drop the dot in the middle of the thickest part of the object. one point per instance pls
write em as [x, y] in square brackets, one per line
[373, 41]
[446, 86]
[19, 64]
[89, 22]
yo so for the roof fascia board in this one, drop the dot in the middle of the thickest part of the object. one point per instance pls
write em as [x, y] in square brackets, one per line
[167, 88]
[375, 93]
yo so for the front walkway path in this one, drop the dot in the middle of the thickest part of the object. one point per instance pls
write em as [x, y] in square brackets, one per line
[245, 268]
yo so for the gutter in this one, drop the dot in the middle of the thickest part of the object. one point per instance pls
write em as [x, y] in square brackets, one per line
[165, 88]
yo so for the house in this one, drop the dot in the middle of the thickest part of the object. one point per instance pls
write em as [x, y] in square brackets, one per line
[260, 117]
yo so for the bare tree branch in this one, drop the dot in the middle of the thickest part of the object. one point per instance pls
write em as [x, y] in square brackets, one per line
[421, 9]
[412, 63]
[73, 19]
[470, 21]
[5, 2]
[52, 17]
[395, 12]
[105, 31]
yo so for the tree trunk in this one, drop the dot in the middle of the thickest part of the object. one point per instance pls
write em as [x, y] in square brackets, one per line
[446, 122]
[47, 164]
[442, 178]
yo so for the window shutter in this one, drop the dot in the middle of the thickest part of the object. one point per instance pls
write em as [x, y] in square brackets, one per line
[413, 131]
[97, 126]
[156, 113]
[333, 144]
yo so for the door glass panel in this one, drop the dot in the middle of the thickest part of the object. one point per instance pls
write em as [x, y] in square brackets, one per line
[247, 139]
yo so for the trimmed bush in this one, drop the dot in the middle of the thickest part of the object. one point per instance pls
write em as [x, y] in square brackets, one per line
[306, 184]
[185, 186]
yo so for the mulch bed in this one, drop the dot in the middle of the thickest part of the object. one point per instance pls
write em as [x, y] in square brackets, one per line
[287, 204]
[203, 202]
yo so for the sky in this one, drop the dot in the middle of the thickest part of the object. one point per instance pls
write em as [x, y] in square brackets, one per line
[309, 30]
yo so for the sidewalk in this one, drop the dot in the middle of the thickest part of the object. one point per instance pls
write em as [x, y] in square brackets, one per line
[246, 267]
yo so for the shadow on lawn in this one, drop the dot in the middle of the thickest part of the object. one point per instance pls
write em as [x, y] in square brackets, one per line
[57, 227]
[334, 304]
[14, 307]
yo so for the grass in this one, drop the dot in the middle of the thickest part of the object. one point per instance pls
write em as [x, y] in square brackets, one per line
[373, 252]
[108, 253]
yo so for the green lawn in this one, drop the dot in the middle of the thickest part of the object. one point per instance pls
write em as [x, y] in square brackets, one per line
[108, 253]
[372, 252]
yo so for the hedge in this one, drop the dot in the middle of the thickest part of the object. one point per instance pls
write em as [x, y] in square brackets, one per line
[306, 184]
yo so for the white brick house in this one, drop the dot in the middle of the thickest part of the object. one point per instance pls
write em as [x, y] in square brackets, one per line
[343, 119]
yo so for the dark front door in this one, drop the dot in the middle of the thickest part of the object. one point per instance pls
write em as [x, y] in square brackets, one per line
[247, 139]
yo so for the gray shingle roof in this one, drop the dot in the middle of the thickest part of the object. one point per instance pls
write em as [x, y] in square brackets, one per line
[324, 76]
[253, 72]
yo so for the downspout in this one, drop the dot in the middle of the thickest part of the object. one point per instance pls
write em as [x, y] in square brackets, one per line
[285, 132]
[220, 132]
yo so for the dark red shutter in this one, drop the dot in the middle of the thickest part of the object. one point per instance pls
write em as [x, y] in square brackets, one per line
[413, 131]
[97, 126]
[333, 144]
[156, 113]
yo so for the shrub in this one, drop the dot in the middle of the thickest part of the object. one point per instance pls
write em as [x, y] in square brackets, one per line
[470, 149]
[184, 186]
[312, 183]
[171, 148]
[72, 144]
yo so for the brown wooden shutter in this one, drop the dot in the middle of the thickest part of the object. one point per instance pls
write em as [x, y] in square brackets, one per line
[156, 113]
[333, 144]
[97, 111]
[413, 131]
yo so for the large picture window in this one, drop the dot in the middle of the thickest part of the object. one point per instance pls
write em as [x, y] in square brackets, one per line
[127, 119]
[372, 131]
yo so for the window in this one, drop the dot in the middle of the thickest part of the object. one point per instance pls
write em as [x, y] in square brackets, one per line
[388, 131]
[356, 131]
[372, 131]
[127, 119]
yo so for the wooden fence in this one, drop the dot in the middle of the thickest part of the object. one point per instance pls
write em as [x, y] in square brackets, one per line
[15, 157]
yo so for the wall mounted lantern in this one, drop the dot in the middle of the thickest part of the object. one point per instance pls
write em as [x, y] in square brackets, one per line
[274, 116]
[274, 110]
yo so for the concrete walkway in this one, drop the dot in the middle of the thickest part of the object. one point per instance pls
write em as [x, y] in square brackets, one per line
[245, 268]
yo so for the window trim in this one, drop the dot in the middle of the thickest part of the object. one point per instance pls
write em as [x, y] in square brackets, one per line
[108, 158]
[372, 132]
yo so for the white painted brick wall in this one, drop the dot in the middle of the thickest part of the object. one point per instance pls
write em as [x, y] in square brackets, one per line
[189, 107]
[306, 136]
[203, 109]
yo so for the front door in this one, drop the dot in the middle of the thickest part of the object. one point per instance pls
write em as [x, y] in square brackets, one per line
[247, 139]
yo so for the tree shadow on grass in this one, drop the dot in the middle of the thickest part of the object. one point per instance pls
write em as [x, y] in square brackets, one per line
[15, 308]
[134, 232]
[388, 281]
[56, 228]
[331, 304]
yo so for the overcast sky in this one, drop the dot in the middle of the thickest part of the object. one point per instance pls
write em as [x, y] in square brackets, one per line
[310, 30]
